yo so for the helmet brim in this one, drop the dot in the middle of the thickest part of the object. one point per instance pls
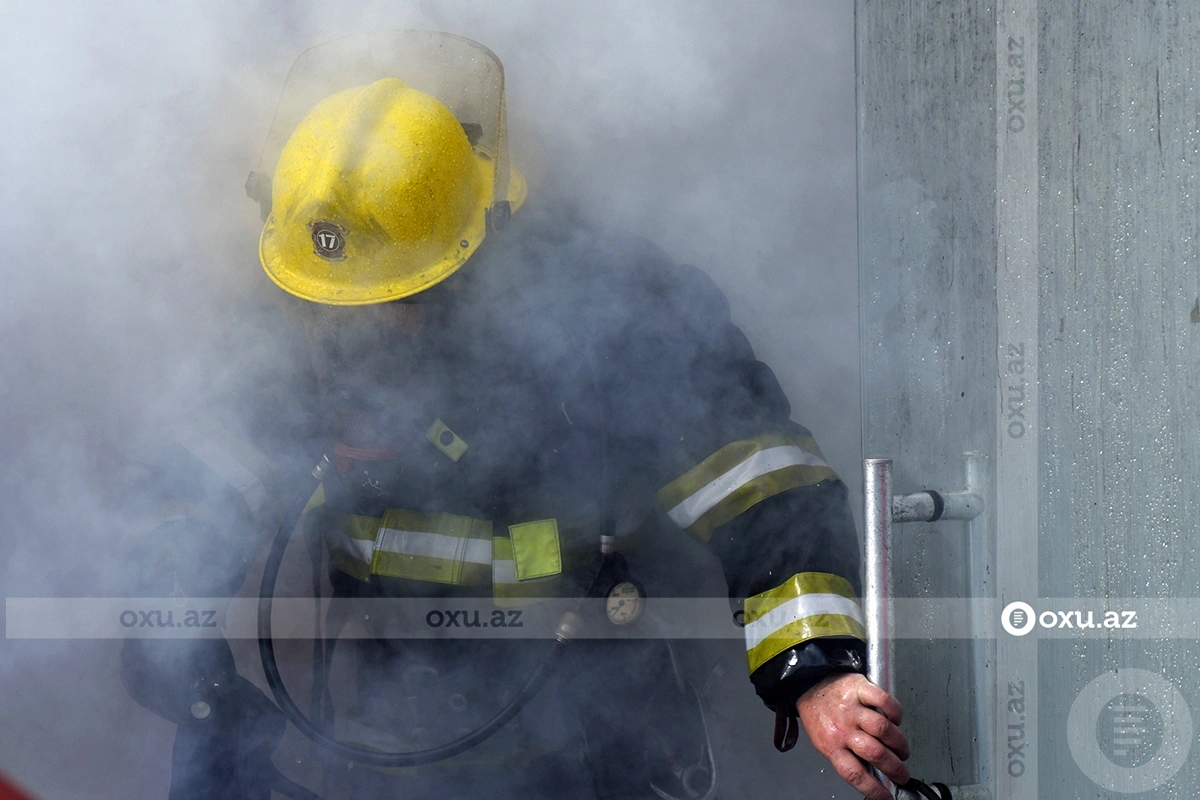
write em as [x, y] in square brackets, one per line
[312, 277]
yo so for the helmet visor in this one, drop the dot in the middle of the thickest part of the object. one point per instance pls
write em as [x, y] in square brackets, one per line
[464, 75]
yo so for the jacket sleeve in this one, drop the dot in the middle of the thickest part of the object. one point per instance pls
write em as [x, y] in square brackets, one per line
[735, 472]
[210, 493]
[201, 497]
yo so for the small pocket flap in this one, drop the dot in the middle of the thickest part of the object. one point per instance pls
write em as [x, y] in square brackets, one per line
[536, 549]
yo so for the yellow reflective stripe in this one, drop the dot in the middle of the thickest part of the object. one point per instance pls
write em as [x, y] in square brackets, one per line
[754, 492]
[809, 444]
[504, 570]
[234, 460]
[740, 475]
[715, 466]
[351, 545]
[806, 606]
[442, 548]
[450, 549]
[316, 500]
[536, 550]
[799, 584]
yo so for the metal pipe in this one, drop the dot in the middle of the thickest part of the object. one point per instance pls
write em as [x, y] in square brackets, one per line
[881, 510]
[877, 604]
[917, 507]
[982, 583]
[931, 506]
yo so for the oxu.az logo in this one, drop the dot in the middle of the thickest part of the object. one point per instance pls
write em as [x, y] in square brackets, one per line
[1020, 618]
[1130, 730]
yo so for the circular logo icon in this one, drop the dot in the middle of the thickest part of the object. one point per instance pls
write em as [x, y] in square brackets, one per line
[1130, 731]
[1018, 618]
[329, 239]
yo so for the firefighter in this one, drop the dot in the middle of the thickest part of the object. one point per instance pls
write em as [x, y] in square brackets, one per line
[501, 381]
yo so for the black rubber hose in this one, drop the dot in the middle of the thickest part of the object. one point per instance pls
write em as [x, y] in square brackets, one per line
[374, 758]
[939, 791]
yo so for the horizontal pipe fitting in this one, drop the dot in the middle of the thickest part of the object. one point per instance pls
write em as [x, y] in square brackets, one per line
[931, 506]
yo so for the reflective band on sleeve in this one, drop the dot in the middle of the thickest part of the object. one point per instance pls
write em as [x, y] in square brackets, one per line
[807, 606]
[316, 500]
[351, 545]
[797, 609]
[420, 544]
[737, 477]
[236, 462]
[245, 482]
[757, 465]
[443, 548]
[449, 549]
[504, 569]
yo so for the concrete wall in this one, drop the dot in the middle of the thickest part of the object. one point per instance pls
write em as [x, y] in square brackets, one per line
[1028, 258]
[927, 260]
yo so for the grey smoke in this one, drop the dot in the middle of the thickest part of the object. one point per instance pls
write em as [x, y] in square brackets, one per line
[722, 132]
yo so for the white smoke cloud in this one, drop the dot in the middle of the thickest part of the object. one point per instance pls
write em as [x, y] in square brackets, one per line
[723, 132]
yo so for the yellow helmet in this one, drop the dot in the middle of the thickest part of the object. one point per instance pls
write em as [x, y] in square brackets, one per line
[380, 193]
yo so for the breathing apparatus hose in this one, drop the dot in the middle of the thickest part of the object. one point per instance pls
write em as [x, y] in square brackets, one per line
[361, 755]
[919, 789]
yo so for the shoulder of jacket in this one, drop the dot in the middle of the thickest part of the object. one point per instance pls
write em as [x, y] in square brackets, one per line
[559, 264]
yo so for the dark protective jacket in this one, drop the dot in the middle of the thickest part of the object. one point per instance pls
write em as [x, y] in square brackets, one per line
[577, 338]
[577, 378]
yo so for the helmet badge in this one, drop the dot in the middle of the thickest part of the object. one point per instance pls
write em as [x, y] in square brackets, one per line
[329, 240]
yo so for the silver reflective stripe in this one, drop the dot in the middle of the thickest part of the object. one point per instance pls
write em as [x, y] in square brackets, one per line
[504, 571]
[358, 549]
[232, 471]
[796, 609]
[434, 545]
[757, 465]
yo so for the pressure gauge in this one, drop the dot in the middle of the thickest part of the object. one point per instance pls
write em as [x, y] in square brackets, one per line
[624, 602]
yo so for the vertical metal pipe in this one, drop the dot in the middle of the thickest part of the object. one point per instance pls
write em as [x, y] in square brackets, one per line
[982, 560]
[877, 605]
[877, 590]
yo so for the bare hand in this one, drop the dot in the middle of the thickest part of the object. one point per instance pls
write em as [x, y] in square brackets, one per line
[848, 718]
